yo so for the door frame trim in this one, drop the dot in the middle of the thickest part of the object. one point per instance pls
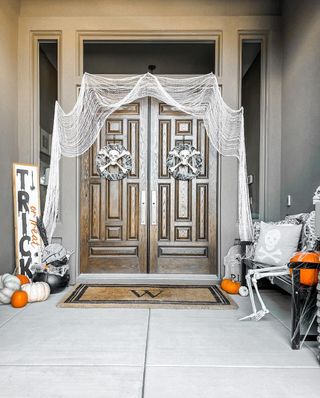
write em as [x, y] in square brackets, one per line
[198, 35]
[261, 37]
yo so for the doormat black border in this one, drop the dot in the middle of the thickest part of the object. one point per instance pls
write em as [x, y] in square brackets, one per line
[72, 299]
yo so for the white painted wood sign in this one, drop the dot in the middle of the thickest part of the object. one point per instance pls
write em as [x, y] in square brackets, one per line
[26, 207]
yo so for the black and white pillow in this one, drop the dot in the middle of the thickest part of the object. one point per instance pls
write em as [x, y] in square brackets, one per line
[257, 231]
[277, 243]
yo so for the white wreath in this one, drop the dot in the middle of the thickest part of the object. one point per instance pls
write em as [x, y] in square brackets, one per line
[114, 155]
[189, 162]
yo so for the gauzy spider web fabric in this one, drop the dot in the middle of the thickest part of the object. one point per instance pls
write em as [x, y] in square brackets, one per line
[100, 96]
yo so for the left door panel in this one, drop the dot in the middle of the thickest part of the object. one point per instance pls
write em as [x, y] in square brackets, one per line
[113, 213]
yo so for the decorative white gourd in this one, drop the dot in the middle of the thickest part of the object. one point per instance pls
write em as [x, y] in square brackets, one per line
[8, 285]
[38, 291]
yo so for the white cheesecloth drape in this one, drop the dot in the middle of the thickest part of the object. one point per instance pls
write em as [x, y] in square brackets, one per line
[75, 132]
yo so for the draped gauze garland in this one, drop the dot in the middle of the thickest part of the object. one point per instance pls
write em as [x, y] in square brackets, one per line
[75, 132]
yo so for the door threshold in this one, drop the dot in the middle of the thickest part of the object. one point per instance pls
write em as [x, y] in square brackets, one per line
[185, 279]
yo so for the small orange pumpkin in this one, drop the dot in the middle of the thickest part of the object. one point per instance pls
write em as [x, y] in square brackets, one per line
[19, 299]
[308, 277]
[23, 279]
[230, 285]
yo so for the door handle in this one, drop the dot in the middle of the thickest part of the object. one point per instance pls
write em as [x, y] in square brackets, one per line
[153, 208]
[143, 208]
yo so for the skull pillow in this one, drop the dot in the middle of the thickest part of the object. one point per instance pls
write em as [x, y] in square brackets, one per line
[277, 243]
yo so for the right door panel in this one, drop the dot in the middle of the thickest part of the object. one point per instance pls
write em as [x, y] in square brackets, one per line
[183, 213]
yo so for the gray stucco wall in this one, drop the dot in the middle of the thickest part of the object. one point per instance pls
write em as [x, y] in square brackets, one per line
[9, 10]
[300, 162]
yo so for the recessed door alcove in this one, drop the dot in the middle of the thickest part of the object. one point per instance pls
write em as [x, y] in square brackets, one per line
[149, 222]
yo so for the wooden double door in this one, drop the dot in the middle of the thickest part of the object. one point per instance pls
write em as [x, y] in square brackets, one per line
[149, 222]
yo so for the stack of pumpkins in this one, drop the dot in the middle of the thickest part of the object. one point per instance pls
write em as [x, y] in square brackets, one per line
[18, 290]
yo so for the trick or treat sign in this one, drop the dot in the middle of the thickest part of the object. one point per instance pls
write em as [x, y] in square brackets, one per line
[26, 205]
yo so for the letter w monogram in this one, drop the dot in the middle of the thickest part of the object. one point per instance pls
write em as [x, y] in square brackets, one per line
[145, 292]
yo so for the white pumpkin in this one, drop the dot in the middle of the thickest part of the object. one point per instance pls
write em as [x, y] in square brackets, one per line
[8, 285]
[38, 291]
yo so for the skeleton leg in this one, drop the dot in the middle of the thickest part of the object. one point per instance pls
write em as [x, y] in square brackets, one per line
[282, 271]
[253, 304]
[264, 309]
[259, 274]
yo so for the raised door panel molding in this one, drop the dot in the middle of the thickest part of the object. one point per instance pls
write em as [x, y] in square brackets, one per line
[114, 200]
[95, 204]
[164, 211]
[202, 212]
[114, 126]
[133, 211]
[114, 251]
[183, 205]
[133, 146]
[183, 127]
[182, 234]
[203, 147]
[164, 147]
[114, 232]
[130, 109]
[183, 251]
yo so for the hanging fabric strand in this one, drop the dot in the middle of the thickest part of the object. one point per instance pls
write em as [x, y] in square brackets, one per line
[75, 132]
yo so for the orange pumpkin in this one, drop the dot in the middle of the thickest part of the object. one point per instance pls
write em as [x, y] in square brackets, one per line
[230, 285]
[308, 277]
[23, 279]
[19, 299]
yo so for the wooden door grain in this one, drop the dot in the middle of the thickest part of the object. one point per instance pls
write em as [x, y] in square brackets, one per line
[183, 237]
[149, 222]
[113, 239]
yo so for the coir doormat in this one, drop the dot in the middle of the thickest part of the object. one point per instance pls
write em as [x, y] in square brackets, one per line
[147, 296]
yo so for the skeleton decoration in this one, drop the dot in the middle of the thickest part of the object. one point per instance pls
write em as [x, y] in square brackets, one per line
[114, 162]
[184, 162]
[252, 278]
[316, 196]
[271, 240]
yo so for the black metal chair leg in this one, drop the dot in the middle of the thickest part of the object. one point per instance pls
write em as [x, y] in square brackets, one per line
[295, 310]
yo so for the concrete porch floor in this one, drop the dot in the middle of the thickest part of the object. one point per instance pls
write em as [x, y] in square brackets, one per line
[47, 351]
